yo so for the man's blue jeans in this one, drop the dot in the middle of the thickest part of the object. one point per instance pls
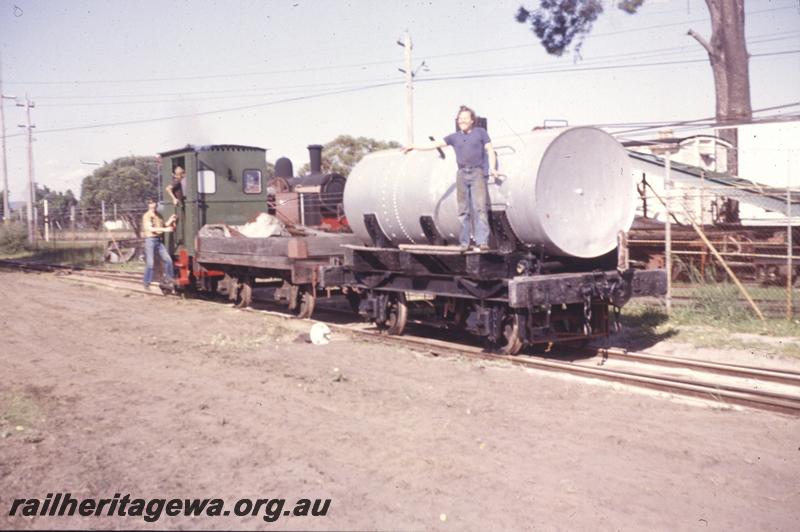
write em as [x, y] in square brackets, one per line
[153, 245]
[472, 193]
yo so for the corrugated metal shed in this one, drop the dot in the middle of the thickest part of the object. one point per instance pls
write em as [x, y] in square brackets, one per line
[768, 198]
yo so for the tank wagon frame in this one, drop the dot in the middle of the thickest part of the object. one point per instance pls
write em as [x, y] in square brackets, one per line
[511, 299]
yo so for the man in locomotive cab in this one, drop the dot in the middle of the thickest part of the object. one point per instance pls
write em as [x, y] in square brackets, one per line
[153, 229]
[175, 190]
[476, 161]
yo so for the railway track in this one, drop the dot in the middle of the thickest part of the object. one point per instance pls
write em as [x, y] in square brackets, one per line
[770, 389]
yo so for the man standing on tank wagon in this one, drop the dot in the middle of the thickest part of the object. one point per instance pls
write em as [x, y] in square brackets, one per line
[153, 229]
[476, 161]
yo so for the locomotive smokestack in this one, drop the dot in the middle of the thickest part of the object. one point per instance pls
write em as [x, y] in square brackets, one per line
[315, 158]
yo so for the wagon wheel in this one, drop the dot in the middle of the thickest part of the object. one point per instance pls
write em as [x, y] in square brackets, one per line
[304, 306]
[353, 299]
[244, 292]
[459, 316]
[510, 342]
[396, 315]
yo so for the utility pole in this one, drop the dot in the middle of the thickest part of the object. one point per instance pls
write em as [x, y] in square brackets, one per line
[789, 257]
[6, 206]
[31, 190]
[406, 43]
[668, 228]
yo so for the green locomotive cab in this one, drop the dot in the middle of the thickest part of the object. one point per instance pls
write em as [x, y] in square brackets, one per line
[222, 184]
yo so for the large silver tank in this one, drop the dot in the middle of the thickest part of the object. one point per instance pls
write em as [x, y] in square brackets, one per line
[570, 190]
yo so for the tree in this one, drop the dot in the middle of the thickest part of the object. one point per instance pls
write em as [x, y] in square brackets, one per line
[342, 153]
[270, 172]
[558, 22]
[58, 204]
[126, 181]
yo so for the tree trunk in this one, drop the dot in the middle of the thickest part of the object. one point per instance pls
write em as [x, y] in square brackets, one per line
[728, 55]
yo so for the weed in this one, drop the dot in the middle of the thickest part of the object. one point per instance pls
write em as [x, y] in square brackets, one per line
[18, 409]
[72, 253]
[13, 238]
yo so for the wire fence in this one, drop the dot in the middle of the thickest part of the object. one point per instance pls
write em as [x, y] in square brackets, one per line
[76, 223]
[727, 241]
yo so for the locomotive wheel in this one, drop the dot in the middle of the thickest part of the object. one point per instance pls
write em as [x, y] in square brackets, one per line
[510, 344]
[305, 304]
[244, 295]
[396, 316]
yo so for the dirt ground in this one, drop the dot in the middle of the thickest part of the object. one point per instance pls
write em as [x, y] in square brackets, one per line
[105, 392]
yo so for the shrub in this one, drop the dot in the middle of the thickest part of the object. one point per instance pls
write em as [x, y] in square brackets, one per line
[13, 238]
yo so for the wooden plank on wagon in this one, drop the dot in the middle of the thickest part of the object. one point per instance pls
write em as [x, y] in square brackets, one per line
[429, 248]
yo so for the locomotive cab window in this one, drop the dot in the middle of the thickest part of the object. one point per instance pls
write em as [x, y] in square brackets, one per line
[251, 181]
[206, 182]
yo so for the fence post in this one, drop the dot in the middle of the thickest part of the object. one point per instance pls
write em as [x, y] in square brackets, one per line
[35, 223]
[46, 221]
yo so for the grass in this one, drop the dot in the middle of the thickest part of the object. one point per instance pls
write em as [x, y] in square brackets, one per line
[704, 324]
[70, 253]
[224, 342]
[84, 253]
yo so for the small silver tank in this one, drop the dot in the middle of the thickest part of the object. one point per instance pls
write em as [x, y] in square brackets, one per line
[570, 190]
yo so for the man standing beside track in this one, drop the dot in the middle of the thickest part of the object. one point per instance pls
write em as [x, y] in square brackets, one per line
[153, 229]
[476, 160]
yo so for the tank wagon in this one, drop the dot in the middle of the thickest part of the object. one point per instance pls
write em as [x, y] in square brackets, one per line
[558, 260]
[224, 240]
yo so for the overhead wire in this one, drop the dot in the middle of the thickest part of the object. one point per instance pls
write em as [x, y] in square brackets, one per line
[358, 89]
[351, 86]
[212, 112]
[362, 64]
[587, 64]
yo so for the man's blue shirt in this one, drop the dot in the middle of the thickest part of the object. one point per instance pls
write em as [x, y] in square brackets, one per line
[470, 148]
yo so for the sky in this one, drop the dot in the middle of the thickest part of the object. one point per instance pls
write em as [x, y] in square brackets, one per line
[115, 78]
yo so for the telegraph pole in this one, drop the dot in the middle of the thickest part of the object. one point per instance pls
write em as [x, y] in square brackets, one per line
[31, 190]
[406, 43]
[6, 206]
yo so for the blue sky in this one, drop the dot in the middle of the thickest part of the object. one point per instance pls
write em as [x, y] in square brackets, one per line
[107, 75]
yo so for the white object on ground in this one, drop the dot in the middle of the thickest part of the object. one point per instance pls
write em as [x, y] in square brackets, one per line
[320, 334]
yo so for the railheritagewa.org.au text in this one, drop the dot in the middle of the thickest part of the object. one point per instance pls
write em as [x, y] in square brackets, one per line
[153, 508]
